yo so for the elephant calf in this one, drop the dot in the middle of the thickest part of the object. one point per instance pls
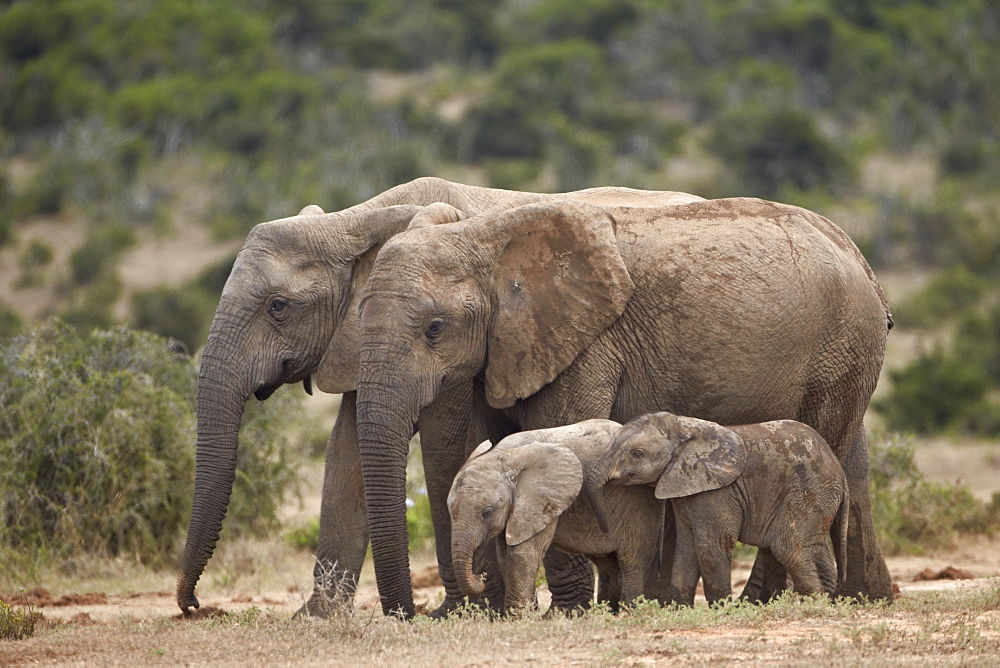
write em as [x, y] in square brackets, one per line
[775, 485]
[524, 493]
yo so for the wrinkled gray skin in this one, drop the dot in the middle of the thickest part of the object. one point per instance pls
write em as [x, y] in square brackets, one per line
[737, 311]
[524, 494]
[775, 485]
[288, 312]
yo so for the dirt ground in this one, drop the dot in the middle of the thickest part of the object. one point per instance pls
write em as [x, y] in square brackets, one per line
[247, 620]
[116, 614]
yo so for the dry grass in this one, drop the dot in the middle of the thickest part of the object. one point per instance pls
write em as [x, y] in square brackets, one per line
[923, 628]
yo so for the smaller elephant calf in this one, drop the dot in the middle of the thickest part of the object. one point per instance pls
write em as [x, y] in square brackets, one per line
[524, 493]
[775, 485]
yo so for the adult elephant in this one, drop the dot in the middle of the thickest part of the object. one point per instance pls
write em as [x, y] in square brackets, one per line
[735, 311]
[289, 311]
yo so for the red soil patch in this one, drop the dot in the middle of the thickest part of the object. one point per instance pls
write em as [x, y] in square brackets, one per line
[949, 573]
[41, 598]
[428, 577]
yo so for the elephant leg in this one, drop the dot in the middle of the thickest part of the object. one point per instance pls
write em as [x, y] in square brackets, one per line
[343, 523]
[867, 573]
[797, 558]
[444, 441]
[767, 579]
[609, 583]
[661, 563]
[571, 580]
[715, 561]
[826, 566]
[633, 575]
[685, 573]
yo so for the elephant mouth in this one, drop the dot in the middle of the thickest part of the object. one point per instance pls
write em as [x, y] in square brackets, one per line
[264, 392]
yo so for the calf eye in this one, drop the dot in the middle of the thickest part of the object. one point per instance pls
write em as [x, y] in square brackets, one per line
[487, 513]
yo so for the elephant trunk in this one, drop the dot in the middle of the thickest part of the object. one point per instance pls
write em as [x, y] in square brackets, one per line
[597, 480]
[462, 553]
[219, 410]
[386, 419]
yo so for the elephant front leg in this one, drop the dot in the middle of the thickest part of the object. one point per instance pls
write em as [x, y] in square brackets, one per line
[445, 442]
[685, 572]
[867, 574]
[519, 565]
[343, 523]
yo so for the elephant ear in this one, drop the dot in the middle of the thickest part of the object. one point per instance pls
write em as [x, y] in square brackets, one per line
[481, 449]
[558, 282]
[547, 479]
[357, 240]
[438, 213]
[710, 457]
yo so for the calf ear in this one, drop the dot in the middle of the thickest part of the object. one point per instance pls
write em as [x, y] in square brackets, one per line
[547, 479]
[311, 210]
[482, 448]
[438, 213]
[711, 457]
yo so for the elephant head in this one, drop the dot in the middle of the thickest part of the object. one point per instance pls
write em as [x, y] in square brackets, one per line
[680, 455]
[288, 311]
[519, 491]
[512, 295]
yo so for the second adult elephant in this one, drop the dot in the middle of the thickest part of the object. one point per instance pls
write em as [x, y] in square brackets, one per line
[288, 312]
[735, 311]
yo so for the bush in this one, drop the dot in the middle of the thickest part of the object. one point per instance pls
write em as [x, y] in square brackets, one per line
[17, 623]
[933, 393]
[948, 294]
[177, 313]
[102, 247]
[767, 150]
[912, 513]
[96, 436]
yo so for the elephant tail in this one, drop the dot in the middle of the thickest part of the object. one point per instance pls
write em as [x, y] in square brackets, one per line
[839, 535]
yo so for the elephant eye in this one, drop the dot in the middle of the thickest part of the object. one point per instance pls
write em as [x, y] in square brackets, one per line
[637, 454]
[487, 513]
[277, 306]
[433, 330]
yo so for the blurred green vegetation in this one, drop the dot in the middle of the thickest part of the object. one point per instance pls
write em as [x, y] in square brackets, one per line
[914, 514]
[96, 456]
[130, 118]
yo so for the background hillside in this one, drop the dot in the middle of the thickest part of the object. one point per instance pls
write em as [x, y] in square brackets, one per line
[141, 140]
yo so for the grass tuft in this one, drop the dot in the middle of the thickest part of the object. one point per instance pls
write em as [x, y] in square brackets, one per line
[17, 623]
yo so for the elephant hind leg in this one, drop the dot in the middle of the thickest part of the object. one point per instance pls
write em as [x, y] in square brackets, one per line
[797, 558]
[867, 573]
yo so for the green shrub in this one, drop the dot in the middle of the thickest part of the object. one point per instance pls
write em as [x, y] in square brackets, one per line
[11, 322]
[304, 536]
[103, 246]
[949, 293]
[977, 341]
[17, 623]
[935, 392]
[912, 513]
[179, 313]
[766, 150]
[96, 446]
[95, 310]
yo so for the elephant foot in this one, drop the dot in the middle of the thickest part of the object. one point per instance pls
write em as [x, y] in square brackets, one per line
[324, 607]
[459, 606]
